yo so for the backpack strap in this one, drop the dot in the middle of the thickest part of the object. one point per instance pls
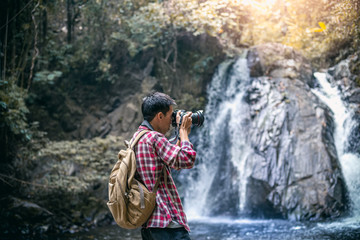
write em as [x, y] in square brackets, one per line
[157, 182]
[166, 185]
[135, 141]
[132, 145]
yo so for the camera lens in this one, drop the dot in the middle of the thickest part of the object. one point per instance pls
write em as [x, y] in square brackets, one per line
[198, 118]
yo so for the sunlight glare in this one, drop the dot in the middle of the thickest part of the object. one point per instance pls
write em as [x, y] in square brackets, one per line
[260, 3]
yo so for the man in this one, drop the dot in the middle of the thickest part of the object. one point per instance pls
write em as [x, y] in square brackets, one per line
[153, 153]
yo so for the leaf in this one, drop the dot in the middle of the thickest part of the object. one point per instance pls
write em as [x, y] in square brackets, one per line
[3, 105]
[26, 26]
[57, 73]
[28, 137]
[316, 30]
[322, 25]
[2, 82]
[51, 77]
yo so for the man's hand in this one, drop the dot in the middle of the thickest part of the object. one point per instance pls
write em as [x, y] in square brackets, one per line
[185, 127]
[178, 118]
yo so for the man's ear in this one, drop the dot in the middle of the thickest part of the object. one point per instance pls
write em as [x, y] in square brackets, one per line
[160, 115]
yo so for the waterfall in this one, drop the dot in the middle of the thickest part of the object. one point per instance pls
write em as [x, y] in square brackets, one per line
[344, 124]
[221, 145]
[217, 186]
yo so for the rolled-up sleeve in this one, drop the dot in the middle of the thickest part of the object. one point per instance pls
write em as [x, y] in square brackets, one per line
[176, 157]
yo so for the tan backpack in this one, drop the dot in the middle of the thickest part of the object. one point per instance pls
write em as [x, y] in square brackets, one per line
[130, 202]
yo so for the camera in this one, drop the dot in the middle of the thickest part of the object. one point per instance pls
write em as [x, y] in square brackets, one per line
[197, 117]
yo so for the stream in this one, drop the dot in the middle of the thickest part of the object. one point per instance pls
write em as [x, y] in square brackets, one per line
[233, 229]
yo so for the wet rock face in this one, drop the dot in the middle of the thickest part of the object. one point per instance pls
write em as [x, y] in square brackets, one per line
[341, 76]
[294, 163]
[279, 61]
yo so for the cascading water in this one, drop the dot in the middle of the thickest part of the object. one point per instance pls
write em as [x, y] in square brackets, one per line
[222, 138]
[217, 187]
[344, 124]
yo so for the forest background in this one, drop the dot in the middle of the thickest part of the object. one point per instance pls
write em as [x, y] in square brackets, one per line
[85, 47]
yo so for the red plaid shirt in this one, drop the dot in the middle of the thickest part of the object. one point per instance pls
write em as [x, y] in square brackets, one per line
[152, 152]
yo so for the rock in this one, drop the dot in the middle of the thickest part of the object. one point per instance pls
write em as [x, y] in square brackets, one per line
[254, 64]
[355, 96]
[279, 61]
[86, 129]
[23, 217]
[295, 161]
[127, 117]
[28, 211]
[340, 75]
[224, 179]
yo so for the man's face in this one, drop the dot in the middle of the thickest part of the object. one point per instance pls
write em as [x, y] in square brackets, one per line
[166, 121]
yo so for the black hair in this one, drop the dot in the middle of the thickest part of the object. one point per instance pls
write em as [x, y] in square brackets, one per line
[156, 102]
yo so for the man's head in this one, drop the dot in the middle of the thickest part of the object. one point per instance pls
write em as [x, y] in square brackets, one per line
[157, 109]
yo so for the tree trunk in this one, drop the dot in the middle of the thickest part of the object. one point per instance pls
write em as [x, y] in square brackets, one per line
[5, 50]
[69, 20]
[44, 22]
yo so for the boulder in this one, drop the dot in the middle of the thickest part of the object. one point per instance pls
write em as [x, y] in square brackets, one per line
[294, 163]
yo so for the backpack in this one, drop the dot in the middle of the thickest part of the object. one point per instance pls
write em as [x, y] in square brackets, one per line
[130, 202]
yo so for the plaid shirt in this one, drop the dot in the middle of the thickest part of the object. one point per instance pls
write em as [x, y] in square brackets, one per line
[152, 152]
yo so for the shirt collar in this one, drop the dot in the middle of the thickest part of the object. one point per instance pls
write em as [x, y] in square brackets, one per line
[146, 124]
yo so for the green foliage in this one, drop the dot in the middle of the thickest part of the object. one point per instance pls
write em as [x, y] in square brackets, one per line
[46, 76]
[13, 121]
[160, 23]
[313, 27]
[316, 28]
[201, 65]
[100, 25]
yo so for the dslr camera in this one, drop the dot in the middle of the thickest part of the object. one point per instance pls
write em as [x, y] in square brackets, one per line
[197, 117]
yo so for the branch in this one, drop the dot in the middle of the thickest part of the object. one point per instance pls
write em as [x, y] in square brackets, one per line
[22, 181]
[7, 23]
[5, 50]
[173, 49]
[36, 50]
[176, 53]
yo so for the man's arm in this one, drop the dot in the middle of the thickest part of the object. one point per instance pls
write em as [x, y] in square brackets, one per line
[180, 155]
[177, 157]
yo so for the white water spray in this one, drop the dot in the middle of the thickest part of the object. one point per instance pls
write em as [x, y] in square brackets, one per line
[223, 132]
[344, 123]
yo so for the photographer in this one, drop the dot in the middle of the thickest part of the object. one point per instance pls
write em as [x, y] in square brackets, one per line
[153, 153]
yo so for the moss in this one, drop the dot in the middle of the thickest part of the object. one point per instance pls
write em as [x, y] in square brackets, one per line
[70, 177]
